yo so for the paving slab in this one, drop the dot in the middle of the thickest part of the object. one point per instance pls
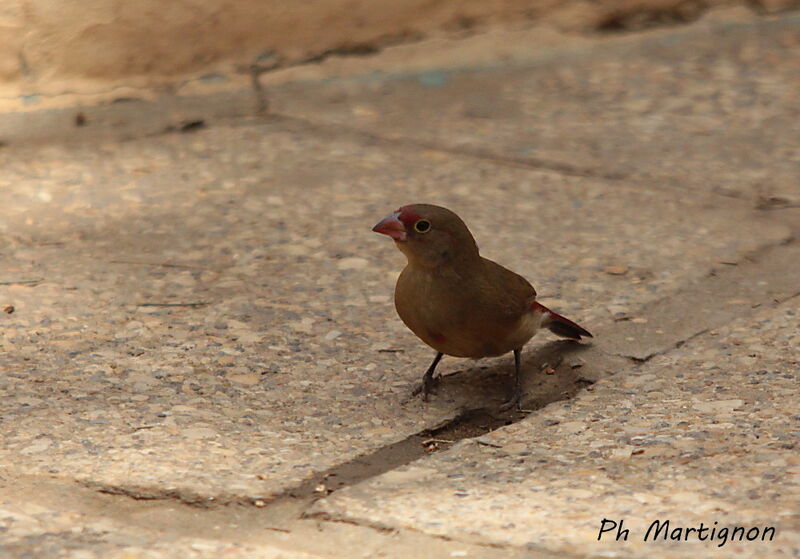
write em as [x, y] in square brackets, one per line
[30, 530]
[709, 106]
[706, 433]
[208, 316]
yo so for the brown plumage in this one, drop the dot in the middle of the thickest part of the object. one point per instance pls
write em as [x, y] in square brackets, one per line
[458, 302]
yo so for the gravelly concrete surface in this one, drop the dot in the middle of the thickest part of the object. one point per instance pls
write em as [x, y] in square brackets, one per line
[707, 433]
[277, 370]
[34, 532]
[206, 318]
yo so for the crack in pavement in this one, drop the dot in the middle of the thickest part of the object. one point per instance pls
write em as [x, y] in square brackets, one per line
[732, 290]
[156, 494]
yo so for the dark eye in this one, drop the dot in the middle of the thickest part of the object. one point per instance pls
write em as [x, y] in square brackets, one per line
[422, 226]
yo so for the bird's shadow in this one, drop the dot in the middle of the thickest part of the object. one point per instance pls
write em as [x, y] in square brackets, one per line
[550, 372]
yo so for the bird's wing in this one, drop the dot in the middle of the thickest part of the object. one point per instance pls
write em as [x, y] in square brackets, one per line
[509, 293]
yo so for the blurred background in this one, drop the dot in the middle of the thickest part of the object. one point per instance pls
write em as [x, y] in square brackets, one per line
[63, 52]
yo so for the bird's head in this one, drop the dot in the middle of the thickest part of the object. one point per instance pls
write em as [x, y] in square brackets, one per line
[429, 235]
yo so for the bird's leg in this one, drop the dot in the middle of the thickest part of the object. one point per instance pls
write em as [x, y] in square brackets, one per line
[516, 396]
[427, 379]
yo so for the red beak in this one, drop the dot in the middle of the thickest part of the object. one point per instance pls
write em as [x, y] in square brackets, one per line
[392, 226]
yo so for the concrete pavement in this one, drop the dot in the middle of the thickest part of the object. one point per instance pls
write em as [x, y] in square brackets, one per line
[200, 355]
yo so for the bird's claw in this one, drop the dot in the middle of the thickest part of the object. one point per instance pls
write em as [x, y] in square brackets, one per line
[515, 402]
[426, 387]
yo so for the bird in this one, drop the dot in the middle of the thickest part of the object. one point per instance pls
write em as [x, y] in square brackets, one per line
[458, 302]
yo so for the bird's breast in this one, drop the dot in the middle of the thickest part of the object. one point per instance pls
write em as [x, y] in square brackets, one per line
[453, 318]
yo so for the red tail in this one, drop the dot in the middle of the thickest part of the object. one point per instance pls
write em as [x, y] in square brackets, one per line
[559, 325]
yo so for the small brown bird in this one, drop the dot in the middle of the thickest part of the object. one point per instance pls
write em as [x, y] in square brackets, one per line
[458, 302]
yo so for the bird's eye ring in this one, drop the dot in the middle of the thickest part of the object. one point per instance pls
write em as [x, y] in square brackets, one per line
[422, 226]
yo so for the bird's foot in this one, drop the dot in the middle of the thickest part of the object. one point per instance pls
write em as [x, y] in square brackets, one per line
[515, 402]
[426, 387]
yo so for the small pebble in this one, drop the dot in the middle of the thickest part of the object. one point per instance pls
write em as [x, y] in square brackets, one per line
[332, 335]
[616, 270]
